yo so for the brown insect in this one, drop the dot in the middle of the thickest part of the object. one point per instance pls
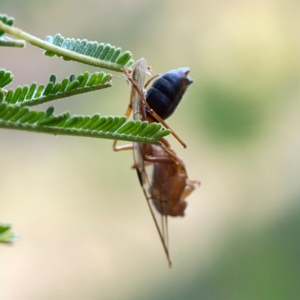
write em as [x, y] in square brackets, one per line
[169, 184]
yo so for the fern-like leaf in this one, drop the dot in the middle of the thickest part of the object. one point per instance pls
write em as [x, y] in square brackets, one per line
[101, 51]
[34, 95]
[115, 128]
[90, 53]
[6, 20]
[6, 78]
[6, 235]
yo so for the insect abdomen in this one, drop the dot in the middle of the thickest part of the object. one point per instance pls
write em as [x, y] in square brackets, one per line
[167, 91]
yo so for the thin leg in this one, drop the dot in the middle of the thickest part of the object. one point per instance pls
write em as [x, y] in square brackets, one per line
[127, 114]
[122, 148]
[153, 77]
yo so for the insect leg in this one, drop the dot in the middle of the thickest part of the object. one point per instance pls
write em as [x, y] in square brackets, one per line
[152, 78]
[127, 114]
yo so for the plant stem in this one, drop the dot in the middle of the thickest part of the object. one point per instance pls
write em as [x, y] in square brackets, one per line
[8, 42]
[58, 50]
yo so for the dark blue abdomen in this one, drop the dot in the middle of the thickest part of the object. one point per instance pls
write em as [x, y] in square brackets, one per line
[167, 91]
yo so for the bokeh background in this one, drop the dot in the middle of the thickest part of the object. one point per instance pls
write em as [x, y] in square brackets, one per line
[85, 229]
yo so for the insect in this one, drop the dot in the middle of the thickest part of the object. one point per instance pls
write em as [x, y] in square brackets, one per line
[169, 184]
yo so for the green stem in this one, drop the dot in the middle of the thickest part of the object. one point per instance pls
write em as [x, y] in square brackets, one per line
[6, 42]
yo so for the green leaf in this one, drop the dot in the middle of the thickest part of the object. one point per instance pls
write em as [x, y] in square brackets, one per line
[112, 127]
[6, 78]
[6, 235]
[115, 58]
[33, 95]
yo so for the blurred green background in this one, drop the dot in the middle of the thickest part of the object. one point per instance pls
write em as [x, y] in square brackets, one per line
[85, 229]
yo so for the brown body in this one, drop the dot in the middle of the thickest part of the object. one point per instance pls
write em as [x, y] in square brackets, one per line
[170, 184]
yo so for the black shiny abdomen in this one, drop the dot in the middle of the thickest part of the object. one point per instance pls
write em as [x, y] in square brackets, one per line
[167, 91]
